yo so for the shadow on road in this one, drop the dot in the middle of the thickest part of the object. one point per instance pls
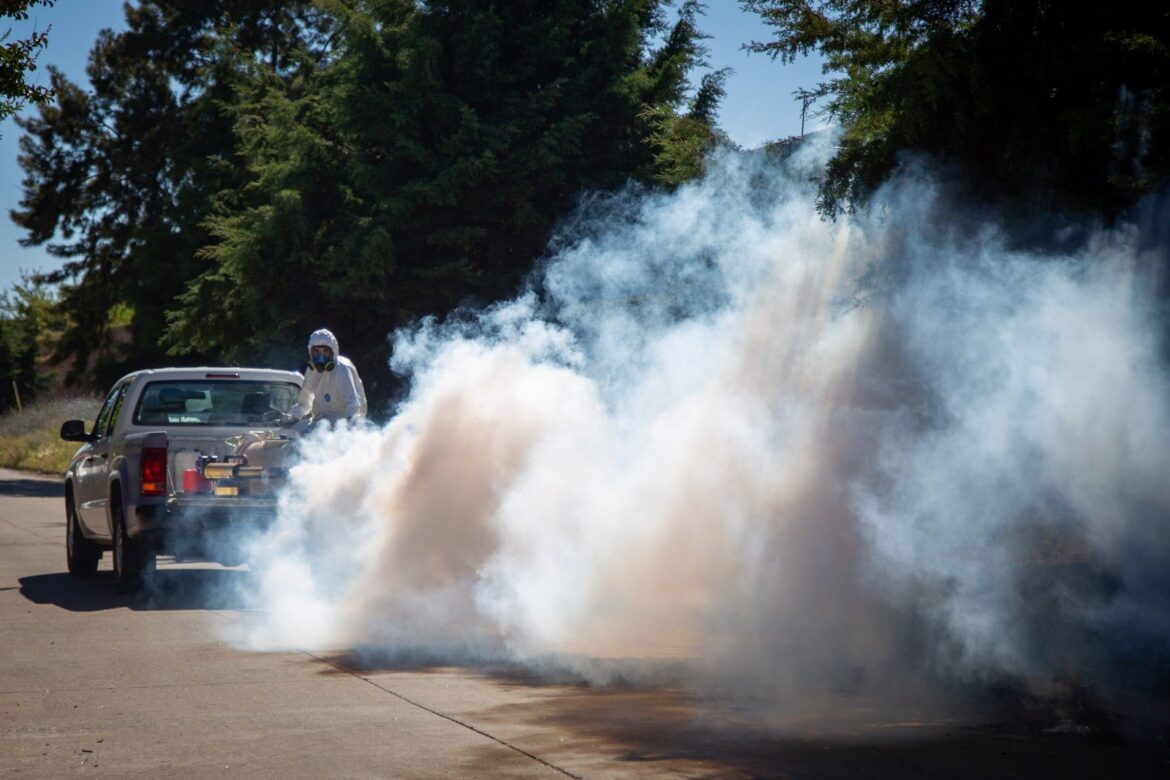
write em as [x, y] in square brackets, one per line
[622, 673]
[662, 727]
[165, 589]
[669, 729]
[36, 488]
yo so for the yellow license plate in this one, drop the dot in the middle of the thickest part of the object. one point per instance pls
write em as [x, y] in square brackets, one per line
[227, 491]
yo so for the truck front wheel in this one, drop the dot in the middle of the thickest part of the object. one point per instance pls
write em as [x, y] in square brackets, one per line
[81, 555]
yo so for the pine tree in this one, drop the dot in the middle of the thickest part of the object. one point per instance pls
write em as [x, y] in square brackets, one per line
[18, 58]
[427, 165]
[1044, 105]
[126, 172]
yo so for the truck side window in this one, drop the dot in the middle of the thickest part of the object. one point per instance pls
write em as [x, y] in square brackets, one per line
[109, 413]
[117, 410]
[103, 416]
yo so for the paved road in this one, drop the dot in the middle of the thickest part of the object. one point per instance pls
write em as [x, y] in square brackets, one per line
[99, 684]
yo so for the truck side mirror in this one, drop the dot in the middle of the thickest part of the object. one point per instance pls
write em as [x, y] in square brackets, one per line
[74, 430]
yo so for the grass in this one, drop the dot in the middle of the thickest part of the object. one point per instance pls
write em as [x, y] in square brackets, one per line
[31, 441]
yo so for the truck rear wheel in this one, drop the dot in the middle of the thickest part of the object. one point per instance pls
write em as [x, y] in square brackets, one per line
[81, 555]
[130, 559]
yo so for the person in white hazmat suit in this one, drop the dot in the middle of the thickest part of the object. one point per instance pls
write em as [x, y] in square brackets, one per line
[332, 389]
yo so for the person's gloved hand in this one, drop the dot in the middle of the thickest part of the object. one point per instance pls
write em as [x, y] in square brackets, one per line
[286, 420]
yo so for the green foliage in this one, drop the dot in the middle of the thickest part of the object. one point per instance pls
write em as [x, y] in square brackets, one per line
[30, 438]
[682, 142]
[1048, 104]
[127, 173]
[427, 164]
[30, 322]
[246, 171]
[19, 58]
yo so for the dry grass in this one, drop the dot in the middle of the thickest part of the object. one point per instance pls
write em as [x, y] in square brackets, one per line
[32, 442]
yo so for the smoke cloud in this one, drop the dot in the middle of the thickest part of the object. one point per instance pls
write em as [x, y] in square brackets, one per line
[789, 457]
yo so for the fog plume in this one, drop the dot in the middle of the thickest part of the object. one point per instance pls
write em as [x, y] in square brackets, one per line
[787, 456]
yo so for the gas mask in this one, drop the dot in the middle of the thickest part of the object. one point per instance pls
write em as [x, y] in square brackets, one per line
[322, 362]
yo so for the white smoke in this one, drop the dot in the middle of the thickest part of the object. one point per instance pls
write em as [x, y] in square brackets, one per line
[790, 455]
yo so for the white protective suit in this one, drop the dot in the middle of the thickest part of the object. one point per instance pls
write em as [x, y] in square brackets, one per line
[334, 394]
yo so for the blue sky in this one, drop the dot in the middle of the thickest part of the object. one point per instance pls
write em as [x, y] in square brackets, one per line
[758, 107]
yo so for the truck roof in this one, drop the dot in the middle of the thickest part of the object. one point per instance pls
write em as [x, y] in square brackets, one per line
[216, 372]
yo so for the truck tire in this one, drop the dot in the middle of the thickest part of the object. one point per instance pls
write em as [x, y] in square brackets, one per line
[130, 559]
[81, 555]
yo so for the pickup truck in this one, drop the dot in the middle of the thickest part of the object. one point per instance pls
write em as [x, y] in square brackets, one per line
[178, 461]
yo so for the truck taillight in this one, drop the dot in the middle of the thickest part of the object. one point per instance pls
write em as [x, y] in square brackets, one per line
[154, 471]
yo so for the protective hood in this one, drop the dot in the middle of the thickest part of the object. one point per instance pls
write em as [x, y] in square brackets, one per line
[323, 338]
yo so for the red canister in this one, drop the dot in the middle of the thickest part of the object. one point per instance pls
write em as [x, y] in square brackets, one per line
[193, 482]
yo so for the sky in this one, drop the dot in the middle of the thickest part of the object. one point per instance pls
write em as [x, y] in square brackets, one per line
[759, 105]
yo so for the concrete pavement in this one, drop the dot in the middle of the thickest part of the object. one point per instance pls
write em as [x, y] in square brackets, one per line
[90, 682]
[96, 683]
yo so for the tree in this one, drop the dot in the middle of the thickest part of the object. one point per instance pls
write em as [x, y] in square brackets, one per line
[29, 324]
[126, 173]
[18, 58]
[1044, 104]
[427, 166]
[681, 142]
[245, 171]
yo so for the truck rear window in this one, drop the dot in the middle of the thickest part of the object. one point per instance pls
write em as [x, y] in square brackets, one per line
[211, 402]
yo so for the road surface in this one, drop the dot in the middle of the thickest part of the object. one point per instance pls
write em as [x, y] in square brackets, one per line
[99, 684]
